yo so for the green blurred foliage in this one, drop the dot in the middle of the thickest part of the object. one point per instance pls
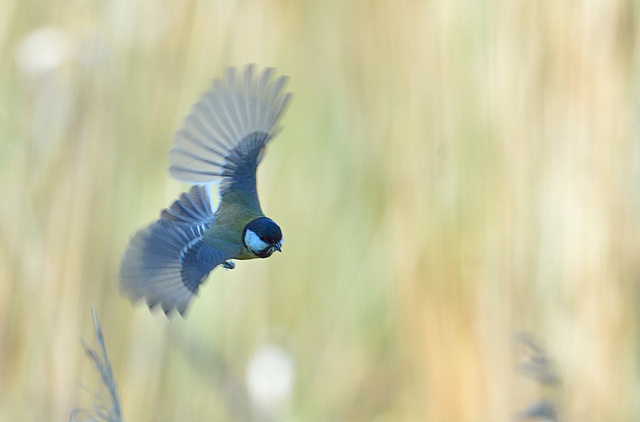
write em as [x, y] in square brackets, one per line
[449, 173]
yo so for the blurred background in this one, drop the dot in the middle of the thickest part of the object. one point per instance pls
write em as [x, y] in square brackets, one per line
[458, 184]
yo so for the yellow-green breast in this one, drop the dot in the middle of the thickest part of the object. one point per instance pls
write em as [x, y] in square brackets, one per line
[232, 216]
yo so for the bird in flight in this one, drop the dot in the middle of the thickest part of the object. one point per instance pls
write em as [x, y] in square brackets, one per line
[221, 141]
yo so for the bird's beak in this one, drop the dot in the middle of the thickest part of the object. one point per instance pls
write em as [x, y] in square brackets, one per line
[278, 246]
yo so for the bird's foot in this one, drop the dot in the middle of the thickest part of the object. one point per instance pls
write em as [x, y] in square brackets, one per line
[228, 265]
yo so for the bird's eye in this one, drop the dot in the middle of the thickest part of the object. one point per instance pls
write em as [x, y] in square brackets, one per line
[262, 238]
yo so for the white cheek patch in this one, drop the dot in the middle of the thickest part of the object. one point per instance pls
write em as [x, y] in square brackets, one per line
[254, 243]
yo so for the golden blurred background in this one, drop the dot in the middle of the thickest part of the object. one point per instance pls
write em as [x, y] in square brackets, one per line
[456, 182]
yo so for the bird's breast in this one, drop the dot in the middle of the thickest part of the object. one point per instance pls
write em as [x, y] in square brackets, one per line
[227, 229]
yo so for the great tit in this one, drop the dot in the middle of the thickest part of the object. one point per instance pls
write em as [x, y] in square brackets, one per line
[221, 141]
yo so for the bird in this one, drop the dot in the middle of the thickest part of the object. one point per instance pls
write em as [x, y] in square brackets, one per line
[221, 142]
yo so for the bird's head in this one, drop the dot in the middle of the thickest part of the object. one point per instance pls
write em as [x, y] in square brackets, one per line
[262, 237]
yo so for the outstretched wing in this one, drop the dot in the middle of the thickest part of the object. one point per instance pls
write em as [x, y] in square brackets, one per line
[223, 138]
[166, 262]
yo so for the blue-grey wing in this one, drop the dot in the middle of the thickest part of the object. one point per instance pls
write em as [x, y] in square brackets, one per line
[195, 207]
[166, 262]
[223, 137]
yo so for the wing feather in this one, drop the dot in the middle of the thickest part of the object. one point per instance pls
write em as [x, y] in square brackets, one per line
[217, 141]
[166, 262]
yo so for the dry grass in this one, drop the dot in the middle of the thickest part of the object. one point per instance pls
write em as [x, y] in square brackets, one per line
[107, 406]
[449, 173]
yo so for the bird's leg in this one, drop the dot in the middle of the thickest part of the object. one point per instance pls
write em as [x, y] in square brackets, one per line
[228, 265]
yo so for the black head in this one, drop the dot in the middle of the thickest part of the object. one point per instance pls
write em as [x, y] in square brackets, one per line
[262, 237]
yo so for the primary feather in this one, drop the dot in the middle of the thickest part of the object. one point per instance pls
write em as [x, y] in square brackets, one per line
[166, 262]
[222, 138]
